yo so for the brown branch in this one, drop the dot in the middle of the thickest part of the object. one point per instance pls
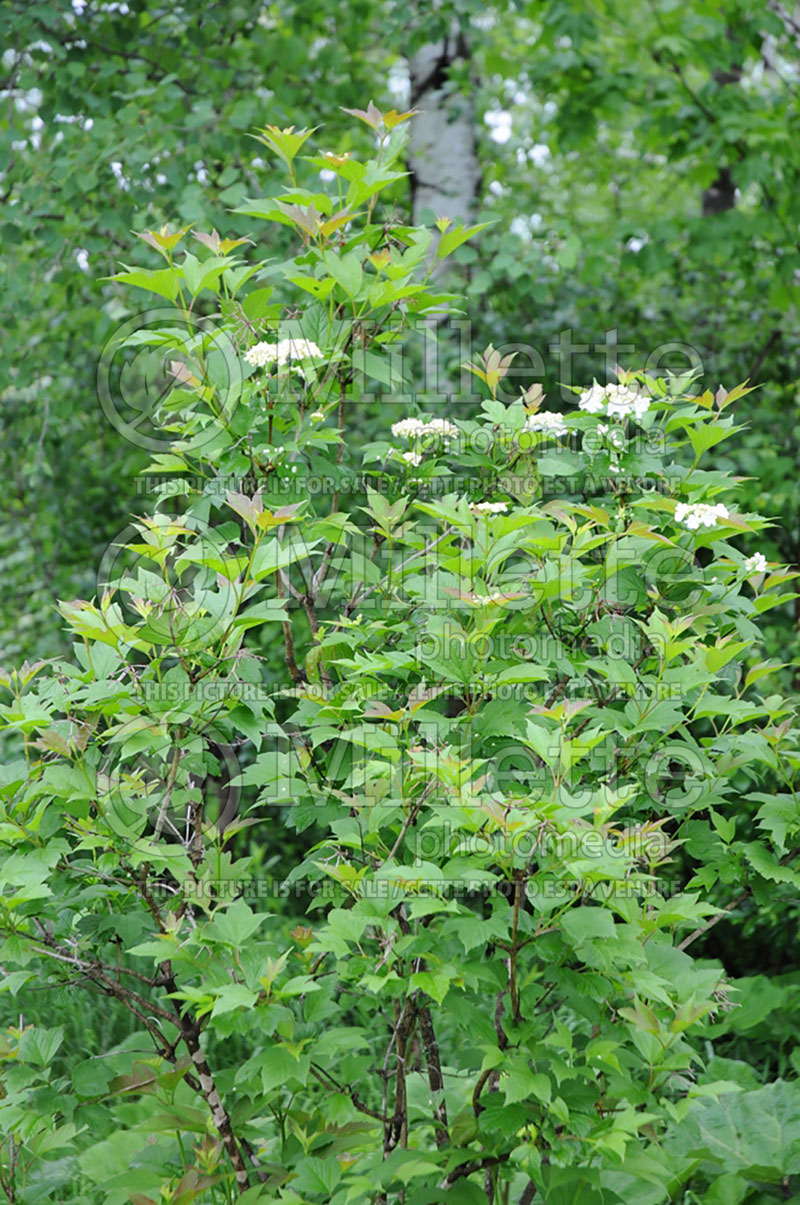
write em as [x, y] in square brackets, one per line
[435, 1078]
[189, 1030]
[173, 770]
[477, 1107]
[313, 623]
[395, 1128]
[740, 898]
[288, 637]
[513, 990]
[331, 1083]
[93, 969]
[477, 1165]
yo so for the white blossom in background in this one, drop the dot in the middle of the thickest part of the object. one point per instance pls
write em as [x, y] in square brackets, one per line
[499, 122]
[120, 177]
[700, 514]
[414, 458]
[756, 563]
[489, 508]
[82, 257]
[548, 422]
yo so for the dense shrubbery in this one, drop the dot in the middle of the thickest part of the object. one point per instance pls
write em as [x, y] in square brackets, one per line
[510, 724]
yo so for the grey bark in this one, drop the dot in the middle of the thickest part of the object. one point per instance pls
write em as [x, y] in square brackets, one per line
[442, 159]
[445, 175]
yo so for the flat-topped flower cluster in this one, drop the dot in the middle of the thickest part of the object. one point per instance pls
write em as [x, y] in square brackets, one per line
[700, 514]
[489, 508]
[548, 422]
[617, 401]
[284, 352]
[417, 428]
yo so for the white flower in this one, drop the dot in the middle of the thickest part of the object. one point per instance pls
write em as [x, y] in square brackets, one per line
[408, 428]
[441, 426]
[262, 354]
[297, 349]
[602, 428]
[618, 401]
[700, 514]
[592, 400]
[489, 508]
[414, 458]
[623, 401]
[317, 416]
[756, 563]
[548, 422]
[415, 428]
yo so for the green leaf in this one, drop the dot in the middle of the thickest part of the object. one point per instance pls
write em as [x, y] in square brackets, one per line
[39, 1046]
[451, 240]
[231, 997]
[164, 281]
[236, 924]
[588, 924]
[346, 271]
[753, 1134]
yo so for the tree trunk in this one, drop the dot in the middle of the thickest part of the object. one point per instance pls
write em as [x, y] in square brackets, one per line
[721, 196]
[442, 157]
[445, 175]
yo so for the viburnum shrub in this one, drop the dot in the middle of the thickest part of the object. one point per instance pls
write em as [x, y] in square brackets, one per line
[492, 681]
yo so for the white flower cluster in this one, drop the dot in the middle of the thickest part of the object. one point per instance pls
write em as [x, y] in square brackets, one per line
[489, 508]
[408, 428]
[617, 401]
[700, 514]
[414, 458]
[548, 422]
[414, 428]
[262, 354]
[441, 426]
[757, 563]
